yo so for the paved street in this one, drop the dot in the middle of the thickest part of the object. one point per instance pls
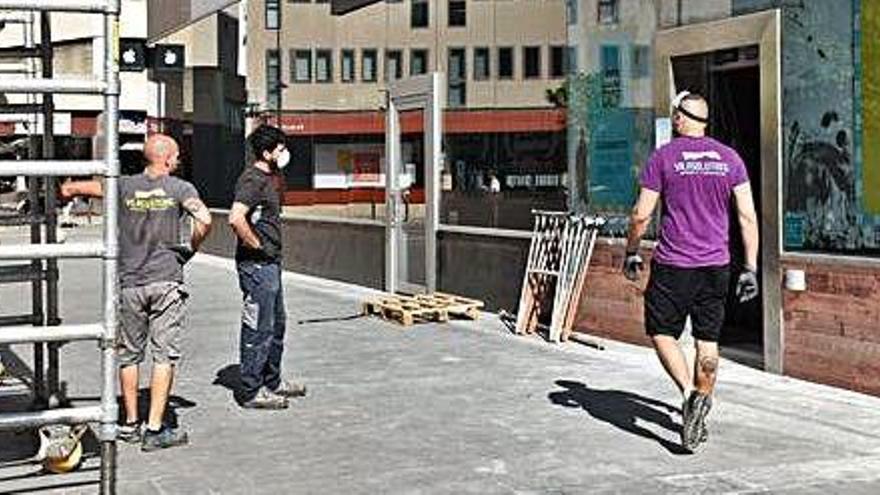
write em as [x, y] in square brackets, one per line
[454, 408]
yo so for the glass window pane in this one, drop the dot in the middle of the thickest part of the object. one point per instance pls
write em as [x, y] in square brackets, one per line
[419, 17]
[418, 62]
[347, 65]
[532, 61]
[457, 13]
[505, 63]
[368, 65]
[324, 66]
[273, 14]
[302, 66]
[481, 63]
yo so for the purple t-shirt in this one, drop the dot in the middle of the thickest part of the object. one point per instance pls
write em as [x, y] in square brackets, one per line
[695, 178]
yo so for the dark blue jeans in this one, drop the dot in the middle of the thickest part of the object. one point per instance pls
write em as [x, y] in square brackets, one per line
[263, 324]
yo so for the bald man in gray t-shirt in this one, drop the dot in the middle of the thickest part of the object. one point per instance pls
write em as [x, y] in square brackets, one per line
[152, 207]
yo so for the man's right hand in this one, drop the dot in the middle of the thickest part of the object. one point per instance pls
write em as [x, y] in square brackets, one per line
[632, 266]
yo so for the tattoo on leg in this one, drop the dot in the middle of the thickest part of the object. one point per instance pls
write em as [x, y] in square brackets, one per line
[709, 365]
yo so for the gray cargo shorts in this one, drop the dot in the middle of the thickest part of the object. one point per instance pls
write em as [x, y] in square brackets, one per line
[151, 313]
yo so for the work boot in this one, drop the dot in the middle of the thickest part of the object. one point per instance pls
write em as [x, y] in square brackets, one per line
[266, 399]
[290, 389]
[164, 438]
[129, 432]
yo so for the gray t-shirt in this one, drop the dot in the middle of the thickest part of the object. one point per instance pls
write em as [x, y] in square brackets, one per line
[150, 220]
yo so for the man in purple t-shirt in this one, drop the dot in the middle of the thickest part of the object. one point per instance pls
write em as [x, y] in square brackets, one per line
[694, 177]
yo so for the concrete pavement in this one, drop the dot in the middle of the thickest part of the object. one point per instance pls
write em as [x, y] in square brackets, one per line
[453, 408]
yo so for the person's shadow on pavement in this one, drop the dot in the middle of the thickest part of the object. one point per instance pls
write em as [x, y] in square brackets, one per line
[621, 409]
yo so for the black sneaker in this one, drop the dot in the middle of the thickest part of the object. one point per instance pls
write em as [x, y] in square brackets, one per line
[129, 432]
[706, 406]
[266, 399]
[693, 429]
[164, 438]
[290, 389]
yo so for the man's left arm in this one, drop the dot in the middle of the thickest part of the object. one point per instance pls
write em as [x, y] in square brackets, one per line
[196, 209]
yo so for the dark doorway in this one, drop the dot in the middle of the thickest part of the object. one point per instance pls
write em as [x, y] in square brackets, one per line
[730, 81]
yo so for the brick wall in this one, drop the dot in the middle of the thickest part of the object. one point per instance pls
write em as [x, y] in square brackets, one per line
[611, 306]
[832, 330]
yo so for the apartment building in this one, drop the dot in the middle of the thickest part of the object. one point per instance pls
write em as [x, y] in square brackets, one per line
[324, 76]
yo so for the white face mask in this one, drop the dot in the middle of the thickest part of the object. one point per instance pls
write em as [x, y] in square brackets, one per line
[283, 159]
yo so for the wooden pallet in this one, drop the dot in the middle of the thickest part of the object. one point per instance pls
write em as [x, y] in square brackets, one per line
[455, 305]
[437, 307]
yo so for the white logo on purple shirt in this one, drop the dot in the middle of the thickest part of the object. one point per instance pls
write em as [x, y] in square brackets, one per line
[701, 163]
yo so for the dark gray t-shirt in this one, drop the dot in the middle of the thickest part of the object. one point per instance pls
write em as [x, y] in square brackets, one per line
[261, 193]
[150, 220]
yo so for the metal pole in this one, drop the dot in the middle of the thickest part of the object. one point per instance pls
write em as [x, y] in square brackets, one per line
[111, 218]
[392, 196]
[39, 389]
[49, 183]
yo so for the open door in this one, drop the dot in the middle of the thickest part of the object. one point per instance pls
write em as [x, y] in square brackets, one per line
[412, 184]
[735, 64]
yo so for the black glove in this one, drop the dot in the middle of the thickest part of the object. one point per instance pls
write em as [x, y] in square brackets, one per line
[632, 265]
[747, 286]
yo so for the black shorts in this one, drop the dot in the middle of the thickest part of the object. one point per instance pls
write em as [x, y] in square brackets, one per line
[674, 293]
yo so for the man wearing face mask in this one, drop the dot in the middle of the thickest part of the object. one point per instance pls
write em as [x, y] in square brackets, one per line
[255, 217]
[152, 301]
[695, 176]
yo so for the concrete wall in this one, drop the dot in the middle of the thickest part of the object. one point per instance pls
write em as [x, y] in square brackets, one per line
[482, 267]
[345, 252]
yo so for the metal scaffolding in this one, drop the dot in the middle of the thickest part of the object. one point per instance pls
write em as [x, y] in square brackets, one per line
[44, 332]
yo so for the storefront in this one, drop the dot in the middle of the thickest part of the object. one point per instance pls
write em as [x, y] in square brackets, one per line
[794, 91]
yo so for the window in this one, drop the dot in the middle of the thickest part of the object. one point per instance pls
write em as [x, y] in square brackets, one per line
[505, 63]
[641, 61]
[571, 12]
[393, 65]
[457, 92]
[368, 65]
[557, 62]
[323, 66]
[301, 66]
[481, 64]
[457, 13]
[418, 62]
[418, 14]
[273, 14]
[610, 60]
[607, 11]
[273, 79]
[532, 61]
[347, 65]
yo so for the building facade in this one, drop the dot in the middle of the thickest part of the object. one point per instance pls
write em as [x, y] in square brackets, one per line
[325, 77]
[791, 86]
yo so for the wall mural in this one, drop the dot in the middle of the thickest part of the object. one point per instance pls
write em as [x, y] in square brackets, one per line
[823, 158]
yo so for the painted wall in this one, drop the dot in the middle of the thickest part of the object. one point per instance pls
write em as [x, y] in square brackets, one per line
[831, 165]
[870, 100]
